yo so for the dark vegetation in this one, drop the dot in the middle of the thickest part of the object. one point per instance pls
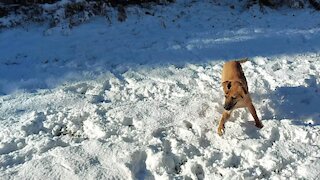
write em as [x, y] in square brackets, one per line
[73, 13]
[290, 3]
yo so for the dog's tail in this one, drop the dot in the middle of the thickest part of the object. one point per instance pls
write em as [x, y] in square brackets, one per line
[243, 60]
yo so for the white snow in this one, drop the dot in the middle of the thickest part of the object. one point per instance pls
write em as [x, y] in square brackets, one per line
[142, 99]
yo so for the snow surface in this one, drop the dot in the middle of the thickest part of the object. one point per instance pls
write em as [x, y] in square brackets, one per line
[142, 99]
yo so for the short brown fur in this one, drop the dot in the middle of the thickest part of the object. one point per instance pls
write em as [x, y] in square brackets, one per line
[236, 92]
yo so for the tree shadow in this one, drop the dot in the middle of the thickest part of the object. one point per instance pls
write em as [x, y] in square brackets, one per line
[37, 60]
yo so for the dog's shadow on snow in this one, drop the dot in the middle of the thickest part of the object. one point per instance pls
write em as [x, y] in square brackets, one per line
[301, 104]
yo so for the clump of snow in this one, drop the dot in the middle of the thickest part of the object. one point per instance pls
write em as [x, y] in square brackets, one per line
[99, 103]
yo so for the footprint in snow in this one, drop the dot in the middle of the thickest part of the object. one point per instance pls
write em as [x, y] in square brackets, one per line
[127, 121]
[198, 171]
[187, 124]
[81, 88]
[159, 133]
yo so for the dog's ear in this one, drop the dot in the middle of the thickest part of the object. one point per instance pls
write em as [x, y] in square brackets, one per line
[226, 86]
[229, 85]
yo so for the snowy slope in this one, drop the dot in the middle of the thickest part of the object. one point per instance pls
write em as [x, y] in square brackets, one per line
[142, 99]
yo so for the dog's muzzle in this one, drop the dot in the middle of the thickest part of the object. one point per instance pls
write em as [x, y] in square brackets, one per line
[228, 107]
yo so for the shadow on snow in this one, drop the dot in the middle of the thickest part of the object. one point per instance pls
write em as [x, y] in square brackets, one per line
[300, 104]
[47, 61]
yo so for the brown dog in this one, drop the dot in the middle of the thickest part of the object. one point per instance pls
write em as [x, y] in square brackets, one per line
[236, 92]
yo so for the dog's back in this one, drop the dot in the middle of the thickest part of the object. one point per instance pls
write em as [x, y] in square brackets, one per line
[232, 71]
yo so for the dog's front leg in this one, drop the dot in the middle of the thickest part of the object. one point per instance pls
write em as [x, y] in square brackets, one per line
[225, 117]
[254, 115]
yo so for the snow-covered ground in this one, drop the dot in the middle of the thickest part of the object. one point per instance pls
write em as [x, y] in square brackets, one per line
[142, 99]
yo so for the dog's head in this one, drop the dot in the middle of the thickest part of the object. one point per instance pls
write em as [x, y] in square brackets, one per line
[234, 93]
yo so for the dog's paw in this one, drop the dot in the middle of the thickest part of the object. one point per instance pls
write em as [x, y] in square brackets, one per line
[259, 125]
[220, 131]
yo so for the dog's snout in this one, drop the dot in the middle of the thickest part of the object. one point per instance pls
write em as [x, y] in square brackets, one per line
[227, 107]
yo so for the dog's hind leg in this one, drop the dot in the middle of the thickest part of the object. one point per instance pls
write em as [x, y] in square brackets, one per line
[254, 115]
[225, 117]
